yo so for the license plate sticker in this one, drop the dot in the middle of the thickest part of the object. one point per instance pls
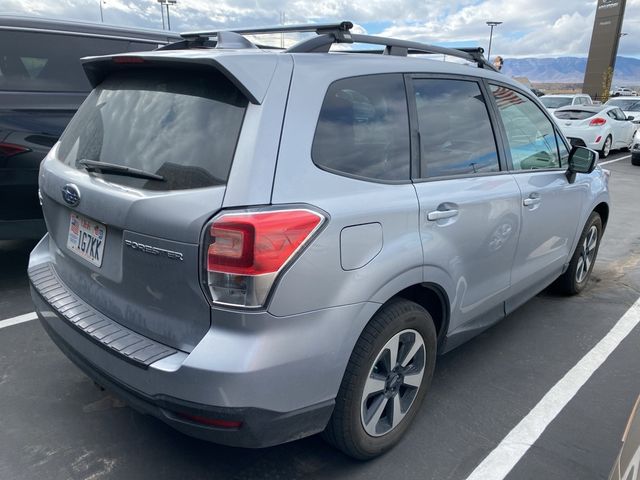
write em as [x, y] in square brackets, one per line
[86, 238]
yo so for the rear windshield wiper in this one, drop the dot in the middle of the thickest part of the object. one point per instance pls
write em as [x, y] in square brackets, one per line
[91, 165]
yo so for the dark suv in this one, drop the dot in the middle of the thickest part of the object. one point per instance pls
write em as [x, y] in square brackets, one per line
[42, 84]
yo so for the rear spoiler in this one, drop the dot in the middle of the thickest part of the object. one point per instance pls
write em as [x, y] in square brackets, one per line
[251, 74]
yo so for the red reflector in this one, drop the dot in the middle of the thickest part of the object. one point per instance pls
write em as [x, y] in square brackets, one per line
[598, 138]
[258, 243]
[128, 60]
[10, 149]
[213, 422]
[597, 122]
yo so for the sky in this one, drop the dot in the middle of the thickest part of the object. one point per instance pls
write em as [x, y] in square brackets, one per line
[545, 28]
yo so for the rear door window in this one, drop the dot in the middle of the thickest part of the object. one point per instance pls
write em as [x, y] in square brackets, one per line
[363, 128]
[181, 125]
[456, 137]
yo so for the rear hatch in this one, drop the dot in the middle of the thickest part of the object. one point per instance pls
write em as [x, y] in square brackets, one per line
[579, 123]
[137, 173]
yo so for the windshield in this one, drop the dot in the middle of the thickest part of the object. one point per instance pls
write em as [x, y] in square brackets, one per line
[180, 125]
[556, 102]
[627, 105]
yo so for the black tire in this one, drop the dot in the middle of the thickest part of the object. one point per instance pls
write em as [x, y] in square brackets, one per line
[604, 153]
[635, 160]
[345, 430]
[569, 282]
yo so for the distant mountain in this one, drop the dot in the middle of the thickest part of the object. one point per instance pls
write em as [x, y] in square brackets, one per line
[568, 69]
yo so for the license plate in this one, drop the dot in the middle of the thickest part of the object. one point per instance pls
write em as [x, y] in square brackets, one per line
[86, 238]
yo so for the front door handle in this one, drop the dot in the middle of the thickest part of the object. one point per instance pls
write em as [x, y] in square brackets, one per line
[534, 199]
[440, 214]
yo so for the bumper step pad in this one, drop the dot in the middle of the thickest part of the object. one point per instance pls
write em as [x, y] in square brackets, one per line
[126, 343]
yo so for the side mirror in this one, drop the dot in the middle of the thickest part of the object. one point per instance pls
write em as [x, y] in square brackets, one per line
[581, 160]
[630, 118]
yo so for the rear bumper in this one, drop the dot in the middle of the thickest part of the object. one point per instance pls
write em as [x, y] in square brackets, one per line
[259, 427]
[576, 139]
[277, 375]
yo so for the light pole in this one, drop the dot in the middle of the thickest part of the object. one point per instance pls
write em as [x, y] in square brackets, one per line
[491, 24]
[282, 22]
[101, 14]
[166, 3]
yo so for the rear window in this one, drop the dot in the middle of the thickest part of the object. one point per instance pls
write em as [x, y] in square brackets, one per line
[182, 125]
[31, 61]
[573, 114]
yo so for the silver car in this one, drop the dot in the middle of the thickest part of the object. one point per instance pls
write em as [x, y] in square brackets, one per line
[256, 245]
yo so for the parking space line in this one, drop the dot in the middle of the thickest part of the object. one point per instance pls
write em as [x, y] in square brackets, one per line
[614, 160]
[498, 464]
[7, 322]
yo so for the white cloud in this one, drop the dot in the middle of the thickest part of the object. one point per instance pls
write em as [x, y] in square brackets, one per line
[543, 28]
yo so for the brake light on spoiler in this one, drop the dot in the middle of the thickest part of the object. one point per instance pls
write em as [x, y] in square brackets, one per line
[246, 251]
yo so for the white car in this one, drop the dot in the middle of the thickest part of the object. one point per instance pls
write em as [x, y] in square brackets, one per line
[629, 105]
[551, 102]
[599, 127]
[624, 91]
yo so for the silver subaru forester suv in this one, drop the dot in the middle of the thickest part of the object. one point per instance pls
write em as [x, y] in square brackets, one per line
[256, 245]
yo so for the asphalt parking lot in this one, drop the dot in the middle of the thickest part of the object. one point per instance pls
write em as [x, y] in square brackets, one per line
[55, 424]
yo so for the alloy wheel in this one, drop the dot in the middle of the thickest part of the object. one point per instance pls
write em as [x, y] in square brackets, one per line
[393, 382]
[587, 254]
[606, 149]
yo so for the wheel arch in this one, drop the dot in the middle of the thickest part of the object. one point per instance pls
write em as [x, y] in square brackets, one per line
[603, 210]
[433, 298]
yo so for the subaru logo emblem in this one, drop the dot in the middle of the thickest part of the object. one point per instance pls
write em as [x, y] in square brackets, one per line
[71, 194]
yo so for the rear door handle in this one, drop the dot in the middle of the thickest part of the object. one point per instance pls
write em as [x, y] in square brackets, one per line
[440, 214]
[534, 199]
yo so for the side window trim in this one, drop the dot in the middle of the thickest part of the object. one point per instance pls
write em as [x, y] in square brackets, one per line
[416, 162]
[414, 131]
[498, 125]
[504, 154]
[503, 132]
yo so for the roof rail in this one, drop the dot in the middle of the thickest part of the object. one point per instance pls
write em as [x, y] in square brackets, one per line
[341, 29]
[327, 35]
[393, 46]
[227, 38]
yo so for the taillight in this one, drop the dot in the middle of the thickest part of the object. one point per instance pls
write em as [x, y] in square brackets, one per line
[10, 149]
[597, 122]
[245, 252]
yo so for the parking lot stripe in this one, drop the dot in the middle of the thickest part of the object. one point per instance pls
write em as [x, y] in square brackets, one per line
[614, 160]
[498, 464]
[7, 322]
